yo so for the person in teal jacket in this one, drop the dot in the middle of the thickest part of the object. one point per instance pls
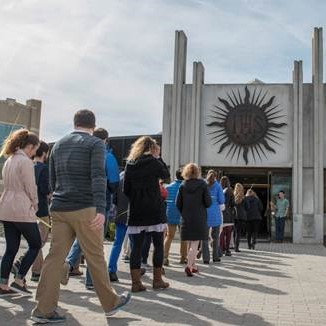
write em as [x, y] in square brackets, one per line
[173, 217]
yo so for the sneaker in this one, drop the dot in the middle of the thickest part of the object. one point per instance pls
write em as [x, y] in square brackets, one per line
[124, 300]
[166, 262]
[126, 258]
[228, 253]
[54, 318]
[7, 293]
[90, 287]
[35, 277]
[20, 289]
[113, 277]
[65, 273]
[217, 260]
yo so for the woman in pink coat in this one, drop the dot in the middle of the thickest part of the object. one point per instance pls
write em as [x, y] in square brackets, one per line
[18, 205]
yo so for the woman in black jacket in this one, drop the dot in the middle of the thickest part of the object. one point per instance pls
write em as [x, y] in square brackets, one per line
[192, 201]
[141, 185]
[254, 210]
[241, 206]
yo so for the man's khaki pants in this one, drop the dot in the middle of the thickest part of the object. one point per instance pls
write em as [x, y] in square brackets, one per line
[44, 232]
[172, 228]
[65, 227]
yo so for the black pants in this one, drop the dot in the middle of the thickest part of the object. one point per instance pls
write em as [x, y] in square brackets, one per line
[137, 241]
[252, 231]
[13, 233]
[146, 247]
[237, 233]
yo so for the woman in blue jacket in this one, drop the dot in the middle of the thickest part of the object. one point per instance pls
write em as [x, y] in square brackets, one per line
[173, 216]
[214, 219]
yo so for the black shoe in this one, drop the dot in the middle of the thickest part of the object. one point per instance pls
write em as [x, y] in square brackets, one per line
[217, 260]
[7, 293]
[198, 254]
[20, 289]
[35, 277]
[54, 318]
[206, 262]
[253, 247]
[113, 277]
[228, 253]
[237, 250]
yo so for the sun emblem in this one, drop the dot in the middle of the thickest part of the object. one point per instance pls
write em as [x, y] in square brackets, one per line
[246, 125]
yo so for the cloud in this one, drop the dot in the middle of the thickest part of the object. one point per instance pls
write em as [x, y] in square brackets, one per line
[115, 56]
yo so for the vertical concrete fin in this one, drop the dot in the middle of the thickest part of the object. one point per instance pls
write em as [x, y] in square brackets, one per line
[297, 177]
[318, 107]
[180, 61]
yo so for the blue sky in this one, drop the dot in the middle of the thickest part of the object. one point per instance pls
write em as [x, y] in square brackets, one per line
[114, 56]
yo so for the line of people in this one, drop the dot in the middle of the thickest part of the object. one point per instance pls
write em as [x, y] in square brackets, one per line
[82, 181]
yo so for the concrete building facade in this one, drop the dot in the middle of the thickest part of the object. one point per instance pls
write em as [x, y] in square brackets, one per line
[267, 136]
[14, 115]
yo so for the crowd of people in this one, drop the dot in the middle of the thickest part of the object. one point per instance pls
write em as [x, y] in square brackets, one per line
[87, 192]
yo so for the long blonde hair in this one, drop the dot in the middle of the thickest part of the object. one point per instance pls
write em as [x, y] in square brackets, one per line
[238, 193]
[143, 145]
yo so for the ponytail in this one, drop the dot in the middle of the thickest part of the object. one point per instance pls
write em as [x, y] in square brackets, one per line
[18, 140]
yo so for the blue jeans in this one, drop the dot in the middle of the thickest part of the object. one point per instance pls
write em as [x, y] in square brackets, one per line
[279, 228]
[73, 259]
[120, 232]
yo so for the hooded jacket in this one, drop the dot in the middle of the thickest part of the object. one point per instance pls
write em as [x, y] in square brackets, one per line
[141, 186]
[192, 200]
[254, 208]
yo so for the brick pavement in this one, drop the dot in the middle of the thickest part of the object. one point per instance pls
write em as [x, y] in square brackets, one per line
[278, 284]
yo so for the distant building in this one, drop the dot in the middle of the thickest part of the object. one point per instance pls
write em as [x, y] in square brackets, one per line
[14, 115]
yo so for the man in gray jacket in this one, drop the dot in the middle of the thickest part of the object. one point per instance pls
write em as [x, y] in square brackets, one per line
[77, 178]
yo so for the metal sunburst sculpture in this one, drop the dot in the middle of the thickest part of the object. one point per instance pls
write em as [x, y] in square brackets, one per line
[244, 125]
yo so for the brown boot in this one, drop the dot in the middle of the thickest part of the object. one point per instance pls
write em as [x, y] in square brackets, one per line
[158, 283]
[137, 285]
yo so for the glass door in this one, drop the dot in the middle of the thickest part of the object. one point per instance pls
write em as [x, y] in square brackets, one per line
[281, 180]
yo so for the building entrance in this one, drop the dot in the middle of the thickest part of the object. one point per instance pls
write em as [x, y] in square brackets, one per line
[266, 183]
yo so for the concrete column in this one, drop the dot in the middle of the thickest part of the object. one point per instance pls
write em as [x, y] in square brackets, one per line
[180, 60]
[197, 86]
[318, 105]
[297, 172]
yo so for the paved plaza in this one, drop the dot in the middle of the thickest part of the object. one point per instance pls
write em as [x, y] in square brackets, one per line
[278, 284]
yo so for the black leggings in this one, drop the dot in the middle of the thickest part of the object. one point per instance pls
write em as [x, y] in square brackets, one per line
[252, 231]
[237, 233]
[137, 241]
[13, 233]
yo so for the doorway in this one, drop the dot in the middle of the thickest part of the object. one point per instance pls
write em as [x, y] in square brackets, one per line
[258, 182]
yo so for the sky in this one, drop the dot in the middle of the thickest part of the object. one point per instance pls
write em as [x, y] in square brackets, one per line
[114, 56]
